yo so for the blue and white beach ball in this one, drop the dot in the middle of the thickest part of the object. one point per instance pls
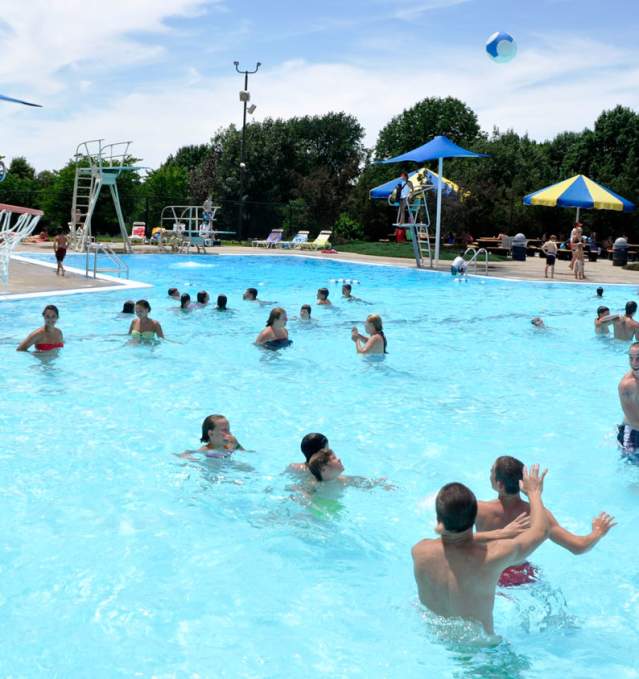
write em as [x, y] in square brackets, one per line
[501, 47]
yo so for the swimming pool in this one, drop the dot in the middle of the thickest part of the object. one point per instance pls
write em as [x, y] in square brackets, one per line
[118, 557]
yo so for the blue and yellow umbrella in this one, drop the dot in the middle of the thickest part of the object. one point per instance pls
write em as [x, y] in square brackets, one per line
[579, 192]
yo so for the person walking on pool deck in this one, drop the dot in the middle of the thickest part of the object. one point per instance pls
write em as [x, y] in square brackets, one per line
[456, 573]
[628, 436]
[60, 245]
[549, 248]
[625, 327]
[48, 337]
[505, 475]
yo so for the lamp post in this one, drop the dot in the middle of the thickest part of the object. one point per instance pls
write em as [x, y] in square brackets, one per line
[245, 97]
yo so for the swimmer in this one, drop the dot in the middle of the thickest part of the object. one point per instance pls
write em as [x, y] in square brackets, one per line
[457, 574]
[346, 294]
[374, 344]
[202, 298]
[275, 330]
[625, 327]
[217, 438]
[325, 466]
[322, 297]
[505, 477]
[311, 444]
[250, 295]
[221, 303]
[459, 266]
[48, 337]
[600, 292]
[144, 328]
[128, 307]
[628, 436]
[174, 293]
[185, 302]
[305, 312]
[603, 320]
[538, 322]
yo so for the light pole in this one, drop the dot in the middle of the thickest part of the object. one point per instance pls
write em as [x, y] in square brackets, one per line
[245, 97]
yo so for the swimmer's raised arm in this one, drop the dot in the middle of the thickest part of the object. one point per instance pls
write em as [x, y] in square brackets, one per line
[579, 544]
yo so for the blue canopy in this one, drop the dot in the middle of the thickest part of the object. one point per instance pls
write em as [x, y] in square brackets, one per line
[382, 191]
[439, 147]
[18, 101]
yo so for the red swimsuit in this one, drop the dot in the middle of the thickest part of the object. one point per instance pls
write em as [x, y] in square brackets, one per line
[44, 346]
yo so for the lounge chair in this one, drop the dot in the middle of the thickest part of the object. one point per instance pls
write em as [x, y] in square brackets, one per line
[273, 238]
[320, 243]
[299, 238]
[138, 232]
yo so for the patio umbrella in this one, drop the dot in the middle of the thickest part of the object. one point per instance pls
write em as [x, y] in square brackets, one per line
[18, 101]
[436, 149]
[579, 192]
[418, 178]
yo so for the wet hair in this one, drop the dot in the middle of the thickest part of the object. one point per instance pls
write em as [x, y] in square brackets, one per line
[51, 307]
[306, 307]
[313, 443]
[599, 292]
[128, 307]
[274, 315]
[221, 301]
[184, 300]
[323, 292]
[173, 291]
[509, 471]
[376, 321]
[202, 296]
[208, 424]
[456, 507]
[347, 286]
[144, 304]
[631, 308]
[252, 291]
[601, 310]
[319, 461]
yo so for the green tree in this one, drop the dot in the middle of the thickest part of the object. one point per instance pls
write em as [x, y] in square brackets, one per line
[168, 185]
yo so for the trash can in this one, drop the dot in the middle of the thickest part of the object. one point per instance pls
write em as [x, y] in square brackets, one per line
[620, 252]
[518, 248]
[593, 254]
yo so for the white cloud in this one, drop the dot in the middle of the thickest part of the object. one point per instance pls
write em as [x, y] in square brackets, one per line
[562, 84]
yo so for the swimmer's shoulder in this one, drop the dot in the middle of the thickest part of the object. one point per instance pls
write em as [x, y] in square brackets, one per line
[297, 468]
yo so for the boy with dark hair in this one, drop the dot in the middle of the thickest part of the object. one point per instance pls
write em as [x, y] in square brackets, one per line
[322, 297]
[626, 327]
[250, 295]
[325, 466]
[311, 444]
[604, 319]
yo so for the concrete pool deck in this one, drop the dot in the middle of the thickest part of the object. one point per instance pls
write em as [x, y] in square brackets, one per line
[28, 279]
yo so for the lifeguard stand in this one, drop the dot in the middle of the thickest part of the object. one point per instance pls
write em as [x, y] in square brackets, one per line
[416, 219]
[97, 165]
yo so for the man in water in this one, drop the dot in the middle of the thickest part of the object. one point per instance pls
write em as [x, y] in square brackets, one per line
[505, 477]
[458, 266]
[626, 327]
[628, 436]
[457, 574]
[604, 319]
[600, 292]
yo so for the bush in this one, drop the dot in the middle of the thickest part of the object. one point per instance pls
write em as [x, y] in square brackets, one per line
[347, 229]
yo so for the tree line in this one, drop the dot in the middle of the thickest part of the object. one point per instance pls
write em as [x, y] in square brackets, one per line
[315, 172]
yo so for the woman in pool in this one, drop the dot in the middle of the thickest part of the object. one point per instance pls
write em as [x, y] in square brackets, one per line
[48, 337]
[185, 301]
[217, 438]
[376, 342]
[144, 328]
[275, 334]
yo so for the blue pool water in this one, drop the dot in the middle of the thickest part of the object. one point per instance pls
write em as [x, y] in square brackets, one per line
[118, 558]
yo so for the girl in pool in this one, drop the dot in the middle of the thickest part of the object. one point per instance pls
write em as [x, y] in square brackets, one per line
[275, 334]
[217, 438]
[144, 328]
[376, 342]
[185, 302]
[48, 337]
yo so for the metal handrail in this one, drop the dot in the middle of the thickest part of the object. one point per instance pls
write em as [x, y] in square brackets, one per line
[473, 259]
[94, 248]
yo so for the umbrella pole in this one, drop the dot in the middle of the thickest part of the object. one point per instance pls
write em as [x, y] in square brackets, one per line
[577, 218]
[440, 170]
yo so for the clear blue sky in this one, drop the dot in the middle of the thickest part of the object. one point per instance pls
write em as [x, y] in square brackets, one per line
[160, 72]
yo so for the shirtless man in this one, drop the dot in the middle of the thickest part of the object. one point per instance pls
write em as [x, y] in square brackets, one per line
[628, 435]
[457, 574]
[505, 477]
[603, 320]
[625, 326]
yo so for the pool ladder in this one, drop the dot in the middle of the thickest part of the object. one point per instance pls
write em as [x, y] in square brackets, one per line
[474, 258]
[116, 265]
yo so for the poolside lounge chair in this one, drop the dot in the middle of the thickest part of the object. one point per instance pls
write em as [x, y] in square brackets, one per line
[320, 243]
[138, 232]
[296, 242]
[273, 238]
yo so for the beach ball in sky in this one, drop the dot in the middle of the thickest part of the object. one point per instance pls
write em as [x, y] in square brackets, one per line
[501, 47]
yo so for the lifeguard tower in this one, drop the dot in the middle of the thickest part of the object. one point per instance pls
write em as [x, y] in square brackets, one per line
[97, 165]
